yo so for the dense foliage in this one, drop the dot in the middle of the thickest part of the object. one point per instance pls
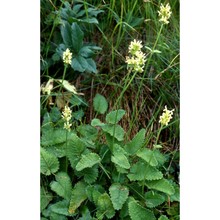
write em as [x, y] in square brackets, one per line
[109, 144]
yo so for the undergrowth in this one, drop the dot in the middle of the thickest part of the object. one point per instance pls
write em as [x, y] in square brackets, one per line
[111, 158]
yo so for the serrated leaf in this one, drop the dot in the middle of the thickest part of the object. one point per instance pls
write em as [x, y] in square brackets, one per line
[153, 199]
[147, 155]
[163, 217]
[61, 207]
[75, 147]
[96, 122]
[100, 104]
[143, 171]
[118, 195]
[136, 143]
[77, 197]
[49, 163]
[53, 137]
[105, 206]
[45, 198]
[88, 131]
[88, 160]
[90, 174]
[62, 186]
[114, 117]
[176, 195]
[162, 185]
[137, 212]
[119, 157]
[114, 130]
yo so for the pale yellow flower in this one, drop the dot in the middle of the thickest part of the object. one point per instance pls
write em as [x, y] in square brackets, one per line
[164, 13]
[67, 115]
[134, 47]
[67, 56]
[138, 58]
[166, 116]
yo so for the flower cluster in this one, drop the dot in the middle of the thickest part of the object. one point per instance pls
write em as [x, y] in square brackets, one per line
[166, 116]
[138, 58]
[67, 56]
[66, 115]
[164, 13]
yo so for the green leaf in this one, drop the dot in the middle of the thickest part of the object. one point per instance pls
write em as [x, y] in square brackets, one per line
[119, 195]
[147, 155]
[143, 171]
[62, 186]
[163, 217]
[137, 212]
[90, 174]
[105, 206]
[100, 104]
[176, 195]
[53, 137]
[119, 157]
[96, 122]
[66, 32]
[114, 117]
[162, 185]
[45, 198]
[61, 207]
[137, 142]
[79, 64]
[91, 65]
[77, 37]
[88, 160]
[77, 197]
[49, 163]
[88, 131]
[153, 199]
[75, 147]
[114, 130]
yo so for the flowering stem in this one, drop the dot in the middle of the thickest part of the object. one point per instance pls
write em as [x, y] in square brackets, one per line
[158, 134]
[64, 74]
[125, 88]
[66, 152]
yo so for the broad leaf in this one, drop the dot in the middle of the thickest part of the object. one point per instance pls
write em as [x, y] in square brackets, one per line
[143, 171]
[148, 155]
[49, 163]
[100, 104]
[119, 157]
[66, 32]
[136, 143]
[77, 197]
[77, 37]
[105, 206]
[163, 217]
[119, 195]
[61, 207]
[53, 137]
[45, 198]
[62, 186]
[153, 199]
[90, 174]
[115, 116]
[88, 160]
[75, 147]
[96, 122]
[114, 130]
[137, 212]
[162, 185]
